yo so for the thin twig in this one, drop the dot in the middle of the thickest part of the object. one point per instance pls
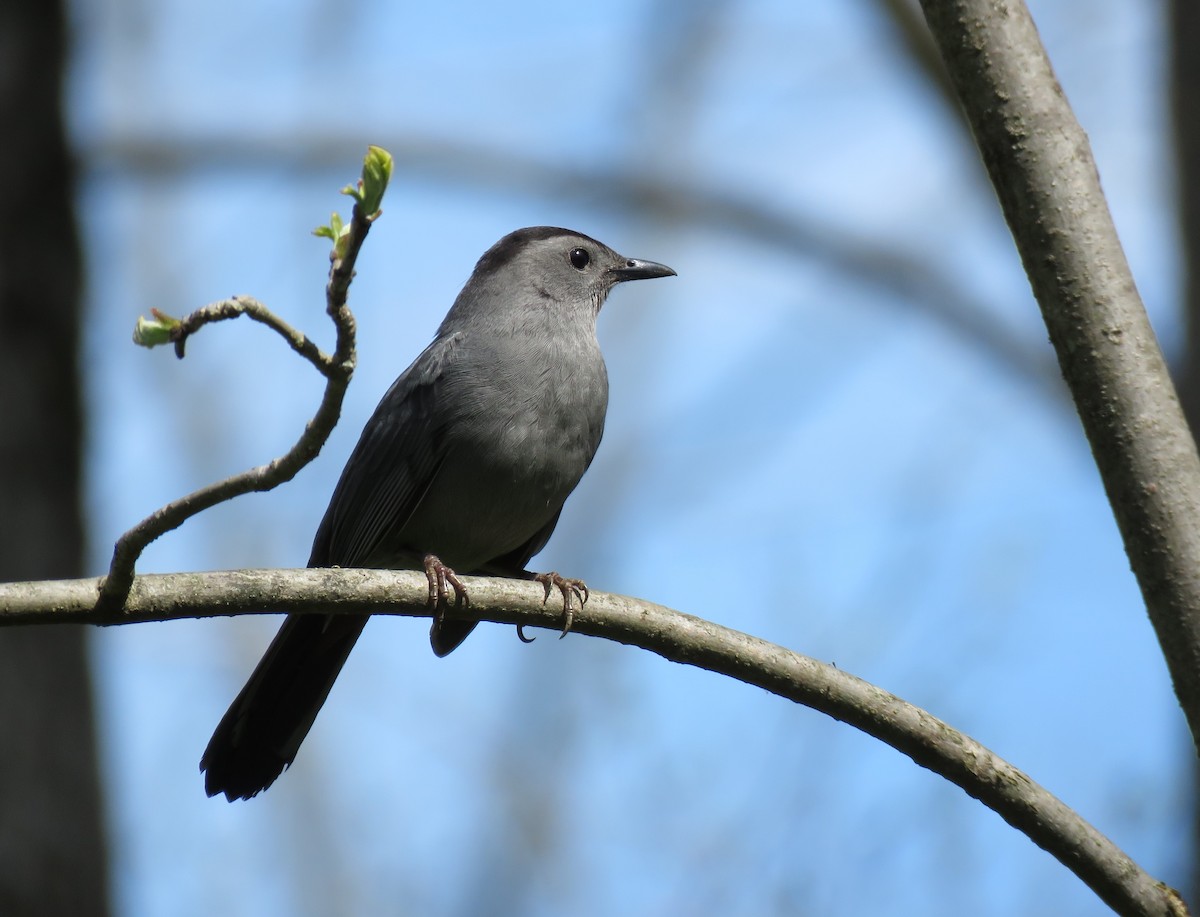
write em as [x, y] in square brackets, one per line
[253, 309]
[933, 744]
[337, 370]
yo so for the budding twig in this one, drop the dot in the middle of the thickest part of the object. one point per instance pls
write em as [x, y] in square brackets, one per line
[336, 368]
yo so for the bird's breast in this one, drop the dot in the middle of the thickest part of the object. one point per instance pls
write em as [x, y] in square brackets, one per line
[525, 432]
[537, 425]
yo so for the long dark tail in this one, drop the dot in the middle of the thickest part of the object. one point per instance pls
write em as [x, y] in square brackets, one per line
[262, 730]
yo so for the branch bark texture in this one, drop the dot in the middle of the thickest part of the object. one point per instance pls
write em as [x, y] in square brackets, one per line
[1040, 163]
[675, 636]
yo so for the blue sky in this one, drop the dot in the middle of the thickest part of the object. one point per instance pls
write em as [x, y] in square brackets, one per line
[917, 510]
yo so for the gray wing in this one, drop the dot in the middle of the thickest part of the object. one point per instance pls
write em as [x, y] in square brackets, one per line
[391, 469]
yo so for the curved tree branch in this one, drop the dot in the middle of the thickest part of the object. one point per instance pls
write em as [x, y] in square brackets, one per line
[1040, 162]
[337, 370]
[678, 637]
[224, 309]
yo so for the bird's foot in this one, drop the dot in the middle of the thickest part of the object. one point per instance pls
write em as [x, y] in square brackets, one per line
[568, 588]
[445, 635]
[440, 576]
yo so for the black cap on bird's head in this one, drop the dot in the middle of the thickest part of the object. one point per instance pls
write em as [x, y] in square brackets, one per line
[548, 263]
[580, 250]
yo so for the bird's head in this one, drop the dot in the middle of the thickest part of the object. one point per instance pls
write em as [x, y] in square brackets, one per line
[545, 267]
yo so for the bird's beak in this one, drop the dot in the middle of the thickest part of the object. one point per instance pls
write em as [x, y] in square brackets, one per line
[636, 269]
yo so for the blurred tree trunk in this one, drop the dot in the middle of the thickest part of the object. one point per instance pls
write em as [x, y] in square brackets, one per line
[52, 845]
[1184, 32]
[1185, 78]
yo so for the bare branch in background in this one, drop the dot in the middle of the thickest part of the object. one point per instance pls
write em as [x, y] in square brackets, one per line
[1183, 36]
[1041, 165]
[910, 25]
[901, 276]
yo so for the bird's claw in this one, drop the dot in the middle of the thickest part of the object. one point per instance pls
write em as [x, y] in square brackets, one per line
[568, 588]
[440, 576]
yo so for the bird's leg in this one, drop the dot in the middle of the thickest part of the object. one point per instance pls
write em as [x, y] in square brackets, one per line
[439, 575]
[568, 588]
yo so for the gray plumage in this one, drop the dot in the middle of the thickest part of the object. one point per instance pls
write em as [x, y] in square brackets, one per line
[469, 457]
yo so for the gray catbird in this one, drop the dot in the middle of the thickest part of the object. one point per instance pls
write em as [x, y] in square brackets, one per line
[464, 465]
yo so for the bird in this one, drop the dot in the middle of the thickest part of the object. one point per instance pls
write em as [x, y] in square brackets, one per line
[463, 468]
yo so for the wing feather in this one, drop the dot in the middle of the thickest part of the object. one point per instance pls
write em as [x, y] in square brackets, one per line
[390, 470]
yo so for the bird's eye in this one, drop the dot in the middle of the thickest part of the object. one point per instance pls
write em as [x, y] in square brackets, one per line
[580, 258]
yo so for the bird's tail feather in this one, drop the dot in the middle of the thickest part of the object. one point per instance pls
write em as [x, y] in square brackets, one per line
[262, 730]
